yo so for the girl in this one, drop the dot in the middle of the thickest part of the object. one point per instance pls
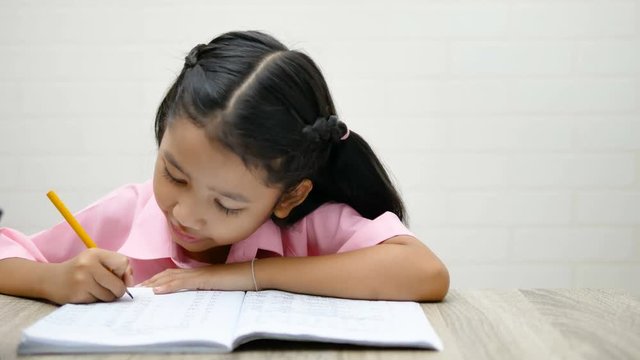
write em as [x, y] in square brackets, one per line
[257, 185]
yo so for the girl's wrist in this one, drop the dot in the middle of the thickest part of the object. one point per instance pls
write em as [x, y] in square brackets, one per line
[263, 271]
[32, 279]
[253, 274]
[47, 285]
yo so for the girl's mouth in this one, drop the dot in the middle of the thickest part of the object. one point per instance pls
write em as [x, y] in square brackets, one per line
[182, 235]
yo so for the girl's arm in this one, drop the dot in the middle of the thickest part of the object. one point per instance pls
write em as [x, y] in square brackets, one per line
[400, 268]
[22, 277]
[93, 275]
[55, 265]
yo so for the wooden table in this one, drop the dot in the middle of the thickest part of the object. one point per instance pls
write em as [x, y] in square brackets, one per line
[473, 324]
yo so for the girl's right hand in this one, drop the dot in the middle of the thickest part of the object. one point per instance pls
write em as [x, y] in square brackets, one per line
[93, 275]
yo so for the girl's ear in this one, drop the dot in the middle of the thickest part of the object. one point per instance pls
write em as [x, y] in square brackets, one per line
[293, 198]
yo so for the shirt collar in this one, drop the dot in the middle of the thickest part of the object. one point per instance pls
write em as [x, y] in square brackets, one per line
[150, 238]
[268, 237]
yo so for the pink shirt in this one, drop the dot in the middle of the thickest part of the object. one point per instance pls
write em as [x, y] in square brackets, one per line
[129, 221]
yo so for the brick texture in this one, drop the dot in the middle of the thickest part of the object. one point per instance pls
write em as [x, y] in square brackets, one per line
[512, 127]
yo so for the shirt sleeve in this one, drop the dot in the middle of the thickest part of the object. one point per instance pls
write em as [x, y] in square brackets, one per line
[335, 228]
[108, 222]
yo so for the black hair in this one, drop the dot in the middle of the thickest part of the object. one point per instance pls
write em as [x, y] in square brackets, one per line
[271, 106]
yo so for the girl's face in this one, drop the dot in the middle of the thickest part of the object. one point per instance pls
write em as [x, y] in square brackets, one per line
[209, 196]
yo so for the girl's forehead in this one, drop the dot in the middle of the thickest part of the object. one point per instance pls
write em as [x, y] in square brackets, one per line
[207, 160]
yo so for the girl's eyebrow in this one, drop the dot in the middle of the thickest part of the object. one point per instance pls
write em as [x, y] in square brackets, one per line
[173, 162]
[230, 195]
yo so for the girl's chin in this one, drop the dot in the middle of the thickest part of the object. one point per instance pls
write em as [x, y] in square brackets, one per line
[199, 246]
[206, 254]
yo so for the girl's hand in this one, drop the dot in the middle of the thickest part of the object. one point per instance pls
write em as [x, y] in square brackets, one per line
[235, 276]
[93, 275]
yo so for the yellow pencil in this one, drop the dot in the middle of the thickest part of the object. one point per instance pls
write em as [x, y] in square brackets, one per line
[75, 225]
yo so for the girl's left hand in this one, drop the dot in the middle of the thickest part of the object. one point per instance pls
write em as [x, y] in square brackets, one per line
[235, 276]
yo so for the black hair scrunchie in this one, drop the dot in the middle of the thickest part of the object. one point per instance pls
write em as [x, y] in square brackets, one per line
[192, 58]
[326, 129]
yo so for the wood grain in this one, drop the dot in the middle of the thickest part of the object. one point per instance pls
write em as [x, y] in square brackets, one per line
[473, 324]
[595, 324]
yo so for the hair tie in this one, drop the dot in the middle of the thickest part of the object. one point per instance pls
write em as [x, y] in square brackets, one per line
[253, 274]
[192, 58]
[327, 129]
[339, 126]
[346, 135]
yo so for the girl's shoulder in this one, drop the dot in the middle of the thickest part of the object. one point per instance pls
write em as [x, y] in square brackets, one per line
[337, 227]
[131, 194]
[343, 213]
[330, 210]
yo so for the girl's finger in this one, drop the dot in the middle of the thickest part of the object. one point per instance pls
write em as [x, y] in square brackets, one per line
[128, 276]
[170, 286]
[117, 263]
[175, 281]
[164, 276]
[100, 293]
[107, 280]
[154, 279]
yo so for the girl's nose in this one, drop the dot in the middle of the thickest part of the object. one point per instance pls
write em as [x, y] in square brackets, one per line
[187, 216]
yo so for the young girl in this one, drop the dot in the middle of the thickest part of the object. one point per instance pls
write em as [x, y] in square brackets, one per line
[257, 185]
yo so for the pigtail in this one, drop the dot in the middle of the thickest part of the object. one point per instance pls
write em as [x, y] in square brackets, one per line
[353, 175]
[358, 178]
[271, 106]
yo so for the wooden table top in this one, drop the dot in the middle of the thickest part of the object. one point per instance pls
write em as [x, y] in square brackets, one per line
[473, 324]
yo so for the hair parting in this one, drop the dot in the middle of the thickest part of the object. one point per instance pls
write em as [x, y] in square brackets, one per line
[272, 107]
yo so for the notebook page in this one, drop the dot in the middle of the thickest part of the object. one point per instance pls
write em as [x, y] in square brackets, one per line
[189, 316]
[282, 315]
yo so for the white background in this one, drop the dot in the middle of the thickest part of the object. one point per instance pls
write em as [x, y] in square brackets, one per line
[512, 127]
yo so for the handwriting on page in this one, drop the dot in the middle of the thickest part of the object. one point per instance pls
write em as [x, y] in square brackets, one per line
[146, 312]
[311, 310]
[147, 316]
[283, 314]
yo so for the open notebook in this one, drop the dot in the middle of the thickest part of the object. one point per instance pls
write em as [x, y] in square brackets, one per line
[219, 321]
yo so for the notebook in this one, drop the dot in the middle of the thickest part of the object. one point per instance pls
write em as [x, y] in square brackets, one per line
[220, 321]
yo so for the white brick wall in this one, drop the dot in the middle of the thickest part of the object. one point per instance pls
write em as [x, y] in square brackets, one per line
[516, 123]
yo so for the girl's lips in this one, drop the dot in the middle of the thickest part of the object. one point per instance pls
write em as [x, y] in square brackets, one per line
[182, 235]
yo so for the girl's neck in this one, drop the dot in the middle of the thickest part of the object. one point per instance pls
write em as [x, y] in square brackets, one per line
[217, 255]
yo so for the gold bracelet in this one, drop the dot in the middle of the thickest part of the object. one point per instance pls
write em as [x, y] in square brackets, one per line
[253, 274]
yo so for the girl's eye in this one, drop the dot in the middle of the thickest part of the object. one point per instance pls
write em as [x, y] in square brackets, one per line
[166, 174]
[171, 178]
[226, 210]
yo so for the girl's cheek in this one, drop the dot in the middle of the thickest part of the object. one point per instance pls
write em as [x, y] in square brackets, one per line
[162, 194]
